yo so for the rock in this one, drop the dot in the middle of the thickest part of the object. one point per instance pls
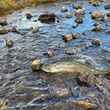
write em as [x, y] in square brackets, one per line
[108, 14]
[97, 28]
[35, 29]
[50, 52]
[79, 20]
[3, 21]
[83, 80]
[35, 65]
[97, 15]
[3, 30]
[47, 18]
[3, 105]
[96, 42]
[72, 50]
[95, 2]
[79, 12]
[107, 6]
[69, 37]
[9, 43]
[85, 105]
[28, 15]
[64, 9]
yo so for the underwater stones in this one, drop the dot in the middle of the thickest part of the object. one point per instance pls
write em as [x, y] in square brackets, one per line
[86, 105]
[79, 12]
[70, 37]
[47, 18]
[107, 6]
[9, 43]
[95, 2]
[72, 50]
[28, 15]
[35, 29]
[64, 9]
[35, 65]
[97, 28]
[50, 52]
[96, 42]
[97, 15]
[79, 20]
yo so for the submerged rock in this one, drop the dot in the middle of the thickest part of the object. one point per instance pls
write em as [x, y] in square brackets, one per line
[9, 43]
[96, 42]
[95, 2]
[70, 37]
[97, 15]
[35, 29]
[85, 105]
[79, 20]
[47, 18]
[36, 64]
[97, 28]
[79, 12]
[50, 52]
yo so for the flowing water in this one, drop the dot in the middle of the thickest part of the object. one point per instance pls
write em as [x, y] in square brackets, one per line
[27, 90]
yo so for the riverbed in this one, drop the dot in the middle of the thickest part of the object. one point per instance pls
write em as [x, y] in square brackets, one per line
[28, 90]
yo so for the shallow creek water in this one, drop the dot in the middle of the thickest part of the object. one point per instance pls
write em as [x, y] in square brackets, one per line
[27, 90]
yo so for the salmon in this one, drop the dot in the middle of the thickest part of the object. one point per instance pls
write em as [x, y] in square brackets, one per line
[70, 66]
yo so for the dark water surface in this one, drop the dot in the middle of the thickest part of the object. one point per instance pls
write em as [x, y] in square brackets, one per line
[27, 90]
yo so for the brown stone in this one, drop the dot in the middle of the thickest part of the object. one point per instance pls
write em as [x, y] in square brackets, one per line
[47, 18]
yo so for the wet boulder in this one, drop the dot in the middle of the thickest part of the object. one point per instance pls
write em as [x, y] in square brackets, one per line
[79, 20]
[97, 15]
[50, 52]
[47, 18]
[70, 37]
[96, 42]
[95, 2]
[9, 43]
[79, 12]
[35, 29]
[36, 64]
[97, 28]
